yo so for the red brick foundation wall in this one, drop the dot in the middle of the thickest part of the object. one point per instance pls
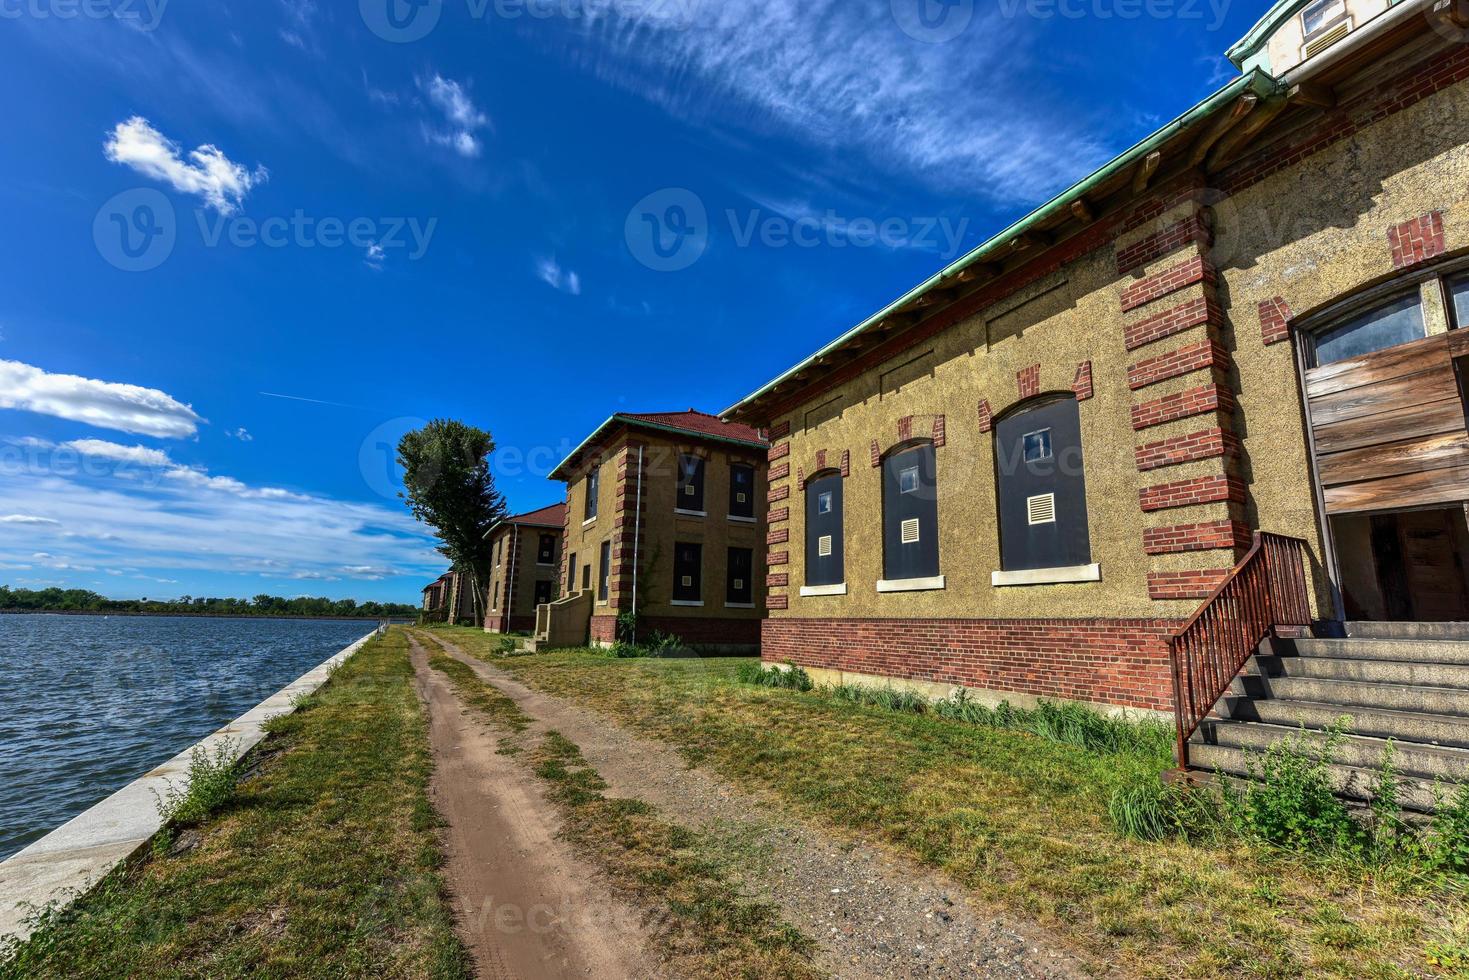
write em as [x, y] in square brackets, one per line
[1111, 661]
[604, 629]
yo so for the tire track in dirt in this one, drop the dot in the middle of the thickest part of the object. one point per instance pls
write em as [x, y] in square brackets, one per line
[526, 906]
[874, 914]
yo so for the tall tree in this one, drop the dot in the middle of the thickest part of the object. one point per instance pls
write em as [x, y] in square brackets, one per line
[448, 486]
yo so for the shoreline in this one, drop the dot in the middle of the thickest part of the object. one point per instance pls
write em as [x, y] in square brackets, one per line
[395, 620]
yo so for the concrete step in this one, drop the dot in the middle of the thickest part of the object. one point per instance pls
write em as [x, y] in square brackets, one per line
[1411, 673]
[1419, 651]
[1409, 631]
[1350, 694]
[1427, 762]
[1404, 726]
[1355, 784]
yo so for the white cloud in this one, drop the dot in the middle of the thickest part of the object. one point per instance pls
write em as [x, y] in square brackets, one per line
[376, 257]
[208, 173]
[29, 520]
[241, 434]
[550, 272]
[972, 115]
[464, 118]
[100, 449]
[104, 404]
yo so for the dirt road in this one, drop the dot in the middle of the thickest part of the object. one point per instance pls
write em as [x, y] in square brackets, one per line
[873, 914]
[526, 906]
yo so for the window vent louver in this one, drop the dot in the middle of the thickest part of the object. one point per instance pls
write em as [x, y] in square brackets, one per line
[910, 531]
[688, 581]
[1327, 38]
[823, 546]
[1041, 509]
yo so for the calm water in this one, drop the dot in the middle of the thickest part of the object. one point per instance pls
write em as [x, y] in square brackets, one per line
[89, 704]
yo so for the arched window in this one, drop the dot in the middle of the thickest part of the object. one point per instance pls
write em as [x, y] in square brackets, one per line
[910, 520]
[826, 571]
[1042, 490]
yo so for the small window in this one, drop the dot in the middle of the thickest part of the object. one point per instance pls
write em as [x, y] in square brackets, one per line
[495, 595]
[690, 484]
[1459, 290]
[823, 503]
[1389, 325]
[741, 490]
[688, 560]
[604, 587]
[741, 590]
[546, 555]
[544, 591]
[594, 483]
[571, 574]
[824, 561]
[1321, 14]
[1037, 446]
[586, 578]
[910, 515]
[908, 480]
[1041, 509]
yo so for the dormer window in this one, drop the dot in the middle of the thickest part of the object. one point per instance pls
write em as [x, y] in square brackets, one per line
[1321, 15]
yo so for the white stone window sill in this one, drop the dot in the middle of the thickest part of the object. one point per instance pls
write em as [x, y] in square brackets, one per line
[604, 602]
[686, 602]
[1048, 576]
[545, 564]
[811, 590]
[690, 513]
[931, 584]
[589, 522]
[739, 605]
[743, 520]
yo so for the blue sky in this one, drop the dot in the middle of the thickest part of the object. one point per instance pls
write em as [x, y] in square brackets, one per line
[248, 244]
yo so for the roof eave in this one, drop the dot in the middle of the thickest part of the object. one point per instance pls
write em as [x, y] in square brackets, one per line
[1259, 82]
[559, 473]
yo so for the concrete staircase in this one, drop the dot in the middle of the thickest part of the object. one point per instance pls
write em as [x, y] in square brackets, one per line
[1407, 682]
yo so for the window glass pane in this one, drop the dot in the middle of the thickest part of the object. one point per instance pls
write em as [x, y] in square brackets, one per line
[1459, 290]
[1391, 324]
[1321, 13]
[823, 503]
[1037, 445]
[908, 480]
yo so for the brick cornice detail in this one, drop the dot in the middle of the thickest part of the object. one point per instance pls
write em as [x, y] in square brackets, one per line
[1206, 536]
[1207, 353]
[1028, 381]
[1187, 493]
[1081, 384]
[1198, 584]
[1181, 405]
[1206, 444]
[1416, 241]
[1199, 311]
[1275, 317]
[1189, 272]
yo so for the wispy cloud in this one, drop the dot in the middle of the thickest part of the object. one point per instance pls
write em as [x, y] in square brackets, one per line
[241, 434]
[299, 31]
[29, 520]
[464, 119]
[104, 404]
[207, 173]
[965, 115]
[100, 449]
[550, 272]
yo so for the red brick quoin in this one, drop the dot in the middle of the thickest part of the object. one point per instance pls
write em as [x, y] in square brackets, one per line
[1109, 661]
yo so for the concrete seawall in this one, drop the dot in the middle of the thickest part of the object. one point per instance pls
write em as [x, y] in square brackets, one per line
[75, 857]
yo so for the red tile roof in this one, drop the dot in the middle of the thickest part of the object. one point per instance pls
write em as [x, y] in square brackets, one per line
[553, 516]
[700, 422]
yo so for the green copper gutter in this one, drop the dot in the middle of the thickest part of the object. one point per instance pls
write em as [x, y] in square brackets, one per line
[656, 427]
[1255, 81]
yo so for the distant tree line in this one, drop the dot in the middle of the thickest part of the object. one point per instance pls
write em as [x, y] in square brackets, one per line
[80, 600]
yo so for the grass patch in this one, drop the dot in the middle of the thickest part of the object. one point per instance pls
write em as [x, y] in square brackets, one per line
[325, 863]
[1022, 820]
[790, 677]
[213, 777]
[707, 925]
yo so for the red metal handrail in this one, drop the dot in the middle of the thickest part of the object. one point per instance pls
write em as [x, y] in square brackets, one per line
[1267, 590]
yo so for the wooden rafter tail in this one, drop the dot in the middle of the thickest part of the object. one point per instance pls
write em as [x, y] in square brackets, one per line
[1145, 171]
[1312, 94]
[1242, 107]
[1083, 211]
[1239, 138]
